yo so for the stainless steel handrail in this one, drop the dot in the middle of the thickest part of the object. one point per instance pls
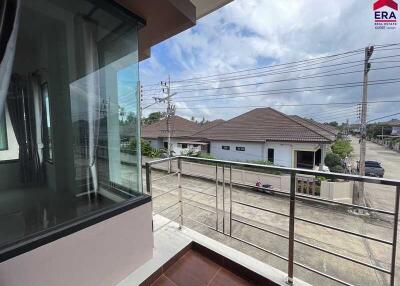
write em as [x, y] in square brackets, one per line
[292, 196]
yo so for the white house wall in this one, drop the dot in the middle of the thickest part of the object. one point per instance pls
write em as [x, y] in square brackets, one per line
[253, 151]
[283, 152]
[155, 143]
[396, 130]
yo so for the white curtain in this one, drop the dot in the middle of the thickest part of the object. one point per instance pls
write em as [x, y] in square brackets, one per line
[10, 9]
[87, 67]
[38, 105]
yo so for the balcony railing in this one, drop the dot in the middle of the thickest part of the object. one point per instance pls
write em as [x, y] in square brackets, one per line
[225, 180]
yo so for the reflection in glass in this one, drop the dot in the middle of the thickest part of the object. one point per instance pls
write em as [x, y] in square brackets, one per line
[72, 104]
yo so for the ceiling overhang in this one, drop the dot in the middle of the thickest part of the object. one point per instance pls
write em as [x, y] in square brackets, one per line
[166, 18]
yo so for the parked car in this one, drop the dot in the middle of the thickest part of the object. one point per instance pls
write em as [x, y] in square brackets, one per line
[373, 169]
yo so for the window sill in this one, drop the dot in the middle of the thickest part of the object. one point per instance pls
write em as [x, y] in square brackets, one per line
[44, 237]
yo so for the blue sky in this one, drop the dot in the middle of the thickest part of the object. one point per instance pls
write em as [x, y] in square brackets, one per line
[247, 34]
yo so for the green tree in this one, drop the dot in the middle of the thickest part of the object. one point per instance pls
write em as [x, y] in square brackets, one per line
[333, 123]
[342, 148]
[373, 130]
[154, 117]
[332, 160]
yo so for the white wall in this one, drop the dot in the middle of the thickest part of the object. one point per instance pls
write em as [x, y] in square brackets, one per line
[13, 149]
[396, 130]
[102, 254]
[283, 152]
[155, 143]
[253, 151]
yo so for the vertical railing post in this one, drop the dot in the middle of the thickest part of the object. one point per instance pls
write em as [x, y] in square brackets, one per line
[223, 198]
[291, 226]
[148, 179]
[230, 199]
[149, 191]
[180, 193]
[394, 246]
[216, 196]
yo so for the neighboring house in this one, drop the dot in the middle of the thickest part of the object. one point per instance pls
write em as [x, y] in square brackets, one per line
[269, 135]
[354, 128]
[181, 135]
[395, 124]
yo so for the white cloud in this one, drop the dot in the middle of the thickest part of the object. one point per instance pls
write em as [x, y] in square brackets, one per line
[251, 33]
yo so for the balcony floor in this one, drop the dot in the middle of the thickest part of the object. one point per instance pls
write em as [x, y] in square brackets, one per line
[194, 268]
[186, 257]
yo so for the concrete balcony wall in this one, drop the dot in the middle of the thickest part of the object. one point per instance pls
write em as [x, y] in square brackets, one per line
[102, 254]
[337, 191]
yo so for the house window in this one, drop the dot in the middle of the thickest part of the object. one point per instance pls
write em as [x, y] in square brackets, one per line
[271, 155]
[184, 145]
[47, 132]
[226, 147]
[3, 133]
[166, 145]
[240, 149]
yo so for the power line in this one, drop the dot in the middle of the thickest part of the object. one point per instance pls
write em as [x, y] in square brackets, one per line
[390, 115]
[345, 54]
[290, 71]
[286, 105]
[357, 51]
[283, 80]
[283, 91]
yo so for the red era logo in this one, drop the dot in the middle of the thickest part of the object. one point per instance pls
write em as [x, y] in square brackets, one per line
[382, 3]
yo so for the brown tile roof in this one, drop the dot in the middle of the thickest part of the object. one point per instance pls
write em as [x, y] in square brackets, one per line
[211, 124]
[322, 129]
[180, 127]
[266, 124]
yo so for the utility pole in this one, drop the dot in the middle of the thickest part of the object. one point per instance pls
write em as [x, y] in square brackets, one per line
[139, 132]
[166, 88]
[359, 196]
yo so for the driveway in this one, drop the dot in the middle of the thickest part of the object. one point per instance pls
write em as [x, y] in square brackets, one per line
[377, 195]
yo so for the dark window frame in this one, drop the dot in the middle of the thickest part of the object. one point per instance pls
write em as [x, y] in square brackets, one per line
[4, 122]
[226, 147]
[269, 156]
[240, 148]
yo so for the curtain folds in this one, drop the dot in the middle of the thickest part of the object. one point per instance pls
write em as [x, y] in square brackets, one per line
[9, 23]
[21, 107]
[89, 83]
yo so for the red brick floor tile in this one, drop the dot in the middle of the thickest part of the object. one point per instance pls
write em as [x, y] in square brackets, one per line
[225, 277]
[193, 269]
[163, 281]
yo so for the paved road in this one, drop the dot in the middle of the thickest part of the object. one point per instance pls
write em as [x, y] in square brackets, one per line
[377, 195]
[389, 159]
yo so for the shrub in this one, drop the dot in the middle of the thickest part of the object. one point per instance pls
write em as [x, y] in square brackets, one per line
[342, 148]
[261, 162]
[337, 169]
[332, 160]
[147, 150]
[205, 155]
